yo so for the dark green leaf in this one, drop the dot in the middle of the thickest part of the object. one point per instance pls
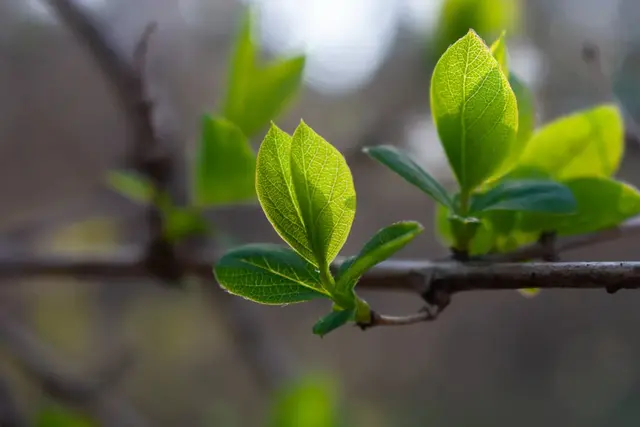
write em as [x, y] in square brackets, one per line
[225, 165]
[588, 143]
[132, 185]
[474, 110]
[381, 246]
[526, 195]
[268, 274]
[602, 203]
[403, 165]
[332, 321]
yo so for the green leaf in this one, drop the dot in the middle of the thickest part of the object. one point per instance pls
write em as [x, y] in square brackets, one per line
[268, 274]
[602, 203]
[381, 246]
[333, 321]
[482, 241]
[526, 195]
[311, 401]
[499, 51]
[276, 194]
[474, 111]
[57, 416]
[257, 94]
[272, 90]
[242, 68]
[224, 166]
[324, 189]
[132, 185]
[529, 292]
[403, 165]
[588, 143]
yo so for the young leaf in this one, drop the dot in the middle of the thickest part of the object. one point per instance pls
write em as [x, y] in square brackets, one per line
[381, 246]
[132, 185]
[268, 274]
[499, 51]
[474, 111]
[242, 68]
[272, 90]
[588, 143]
[224, 166]
[403, 165]
[324, 189]
[57, 416]
[276, 194]
[481, 243]
[526, 195]
[601, 203]
[258, 94]
[333, 321]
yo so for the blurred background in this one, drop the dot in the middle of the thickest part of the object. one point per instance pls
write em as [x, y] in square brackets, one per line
[493, 359]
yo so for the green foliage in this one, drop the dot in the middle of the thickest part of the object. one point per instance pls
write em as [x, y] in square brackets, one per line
[56, 416]
[257, 94]
[499, 52]
[183, 222]
[474, 110]
[132, 185]
[588, 143]
[224, 165]
[306, 191]
[403, 165]
[309, 402]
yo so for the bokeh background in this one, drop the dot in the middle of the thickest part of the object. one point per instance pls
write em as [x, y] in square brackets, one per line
[493, 359]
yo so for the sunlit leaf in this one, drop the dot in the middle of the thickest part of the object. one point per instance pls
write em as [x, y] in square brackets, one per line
[499, 51]
[325, 193]
[588, 143]
[481, 243]
[474, 110]
[310, 402]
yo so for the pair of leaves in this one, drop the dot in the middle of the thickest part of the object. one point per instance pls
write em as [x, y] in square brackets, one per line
[306, 191]
[257, 94]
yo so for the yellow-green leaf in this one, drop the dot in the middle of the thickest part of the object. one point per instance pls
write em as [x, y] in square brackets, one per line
[325, 193]
[276, 194]
[499, 51]
[474, 111]
[588, 143]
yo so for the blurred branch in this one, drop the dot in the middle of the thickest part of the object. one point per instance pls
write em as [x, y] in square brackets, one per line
[161, 257]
